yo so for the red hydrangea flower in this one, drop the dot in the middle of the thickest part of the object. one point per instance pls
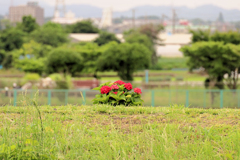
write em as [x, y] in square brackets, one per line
[137, 90]
[128, 86]
[114, 87]
[105, 89]
[115, 92]
[119, 82]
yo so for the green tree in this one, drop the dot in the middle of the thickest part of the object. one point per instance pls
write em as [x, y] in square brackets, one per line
[106, 37]
[31, 57]
[85, 26]
[217, 59]
[152, 32]
[124, 58]
[200, 35]
[90, 53]
[7, 60]
[11, 38]
[4, 24]
[28, 24]
[50, 34]
[226, 37]
[136, 37]
[64, 60]
[32, 65]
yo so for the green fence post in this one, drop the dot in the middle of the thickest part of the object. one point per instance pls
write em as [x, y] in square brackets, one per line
[221, 99]
[66, 97]
[205, 99]
[238, 99]
[84, 97]
[153, 98]
[170, 97]
[14, 97]
[49, 97]
[146, 76]
[187, 98]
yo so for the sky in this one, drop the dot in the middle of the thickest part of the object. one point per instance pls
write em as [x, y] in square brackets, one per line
[120, 5]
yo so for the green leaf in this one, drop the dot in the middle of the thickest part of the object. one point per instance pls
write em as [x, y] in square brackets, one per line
[122, 97]
[97, 88]
[98, 96]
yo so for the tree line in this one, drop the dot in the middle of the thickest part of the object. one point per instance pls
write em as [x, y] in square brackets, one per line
[47, 49]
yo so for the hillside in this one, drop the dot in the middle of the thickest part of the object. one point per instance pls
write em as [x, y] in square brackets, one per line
[205, 12]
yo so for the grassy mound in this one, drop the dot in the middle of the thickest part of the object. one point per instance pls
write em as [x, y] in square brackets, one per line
[105, 132]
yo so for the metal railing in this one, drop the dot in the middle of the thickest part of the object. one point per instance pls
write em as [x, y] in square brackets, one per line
[155, 98]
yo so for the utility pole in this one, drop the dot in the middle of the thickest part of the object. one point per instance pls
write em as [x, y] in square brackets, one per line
[133, 18]
[173, 21]
[162, 19]
[146, 19]
[61, 9]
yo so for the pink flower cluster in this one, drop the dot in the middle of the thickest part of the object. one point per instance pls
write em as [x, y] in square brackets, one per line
[114, 87]
[119, 82]
[105, 89]
[128, 86]
[138, 90]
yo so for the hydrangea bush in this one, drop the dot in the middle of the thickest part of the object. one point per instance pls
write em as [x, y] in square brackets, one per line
[118, 93]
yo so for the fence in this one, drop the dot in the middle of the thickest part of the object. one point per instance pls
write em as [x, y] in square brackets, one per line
[154, 98]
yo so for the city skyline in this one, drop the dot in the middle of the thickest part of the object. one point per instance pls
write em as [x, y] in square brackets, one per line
[125, 4]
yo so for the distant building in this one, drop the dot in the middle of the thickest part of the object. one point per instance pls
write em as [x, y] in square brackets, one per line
[172, 42]
[69, 18]
[32, 8]
[106, 20]
[88, 37]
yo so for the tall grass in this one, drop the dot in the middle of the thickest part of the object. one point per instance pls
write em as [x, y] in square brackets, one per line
[106, 132]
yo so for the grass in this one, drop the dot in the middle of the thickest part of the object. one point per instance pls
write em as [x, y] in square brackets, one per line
[173, 63]
[105, 132]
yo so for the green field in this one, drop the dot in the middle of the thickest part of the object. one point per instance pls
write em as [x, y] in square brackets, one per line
[105, 132]
[169, 63]
[163, 74]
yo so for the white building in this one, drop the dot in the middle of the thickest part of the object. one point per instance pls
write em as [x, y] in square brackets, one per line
[69, 18]
[88, 37]
[106, 18]
[172, 43]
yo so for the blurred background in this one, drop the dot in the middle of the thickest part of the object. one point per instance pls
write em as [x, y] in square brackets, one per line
[187, 51]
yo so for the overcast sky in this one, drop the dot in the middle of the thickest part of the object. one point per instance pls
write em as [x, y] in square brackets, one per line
[120, 5]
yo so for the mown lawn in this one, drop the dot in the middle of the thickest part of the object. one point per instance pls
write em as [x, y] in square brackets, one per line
[105, 132]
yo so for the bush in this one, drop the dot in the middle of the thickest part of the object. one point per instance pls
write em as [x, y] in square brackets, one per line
[64, 60]
[50, 34]
[118, 93]
[105, 38]
[32, 77]
[61, 82]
